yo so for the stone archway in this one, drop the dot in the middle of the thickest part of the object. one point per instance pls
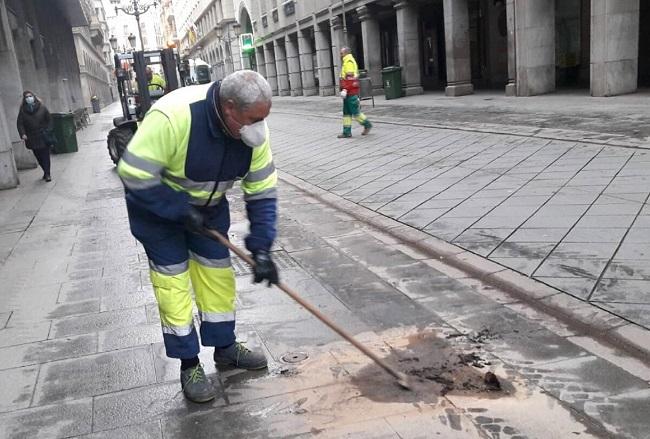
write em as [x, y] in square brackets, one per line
[247, 58]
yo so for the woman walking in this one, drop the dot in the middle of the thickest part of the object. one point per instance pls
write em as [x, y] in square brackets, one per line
[34, 123]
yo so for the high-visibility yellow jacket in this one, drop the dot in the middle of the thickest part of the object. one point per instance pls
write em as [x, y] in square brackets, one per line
[349, 67]
[182, 156]
[157, 82]
[349, 80]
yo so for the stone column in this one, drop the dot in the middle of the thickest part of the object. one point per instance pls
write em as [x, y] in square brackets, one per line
[459, 67]
[38, 53]
[293, 65]
[409, 47]
[11, 89]
[235, 52]
[306, 52]
[584, 74]
[8, 171]
[534, 24]
[614, 46]
[284, 89]
[323, 53]
[271, 76]
[259, 60]
[338, 41]
[511, 87]
[371, 47]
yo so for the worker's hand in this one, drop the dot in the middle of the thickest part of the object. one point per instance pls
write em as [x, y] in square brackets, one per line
[194, 221]
[24, 136]
[344, 93]
[265, 268]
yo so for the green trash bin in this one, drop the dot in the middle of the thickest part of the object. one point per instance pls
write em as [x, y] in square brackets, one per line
[94, 101]
[65, 133]
[391, 77]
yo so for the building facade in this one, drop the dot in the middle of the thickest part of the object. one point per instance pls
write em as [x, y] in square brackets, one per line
[524, 47]
[168, 20]
[37, 53]
[184, 13]
[210, 33]
[94, 56]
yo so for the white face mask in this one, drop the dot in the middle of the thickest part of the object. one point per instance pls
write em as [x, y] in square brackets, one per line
[253, 135]
[29, 100]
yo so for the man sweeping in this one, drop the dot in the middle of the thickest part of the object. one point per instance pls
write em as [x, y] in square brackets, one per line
[349, 84]
[189, 150]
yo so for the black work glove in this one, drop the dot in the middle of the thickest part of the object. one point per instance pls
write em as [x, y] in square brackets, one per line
[194, 221]
[265, 268]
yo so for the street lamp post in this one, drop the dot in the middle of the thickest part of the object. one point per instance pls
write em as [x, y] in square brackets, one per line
[227, 39]
[131, 39]
[135, 8]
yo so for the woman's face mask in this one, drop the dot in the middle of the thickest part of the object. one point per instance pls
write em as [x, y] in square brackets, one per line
[30, 100]
[253, 135]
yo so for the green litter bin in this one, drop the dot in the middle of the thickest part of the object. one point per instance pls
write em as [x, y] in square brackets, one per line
[391, 77]
[65, 133]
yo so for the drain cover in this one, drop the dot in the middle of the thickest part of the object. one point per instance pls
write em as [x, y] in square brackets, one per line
[294, 357]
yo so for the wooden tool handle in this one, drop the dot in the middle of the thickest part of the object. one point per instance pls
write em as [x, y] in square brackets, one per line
[309, 307]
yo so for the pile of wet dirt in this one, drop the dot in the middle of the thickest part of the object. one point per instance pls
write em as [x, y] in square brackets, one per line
[435, 367]
[436, 361]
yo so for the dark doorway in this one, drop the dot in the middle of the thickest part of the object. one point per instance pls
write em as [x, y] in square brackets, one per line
[488, 36]
[355, 39]
[644, 45]
[572, 43]
[389, 43]
[432, 46]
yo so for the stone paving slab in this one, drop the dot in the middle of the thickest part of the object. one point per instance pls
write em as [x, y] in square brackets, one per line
[94, 375]
[59, 420]
[17, 387]
[150, 430]
[51, 350]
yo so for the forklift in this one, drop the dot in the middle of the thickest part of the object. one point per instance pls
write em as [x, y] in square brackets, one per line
[136, 103]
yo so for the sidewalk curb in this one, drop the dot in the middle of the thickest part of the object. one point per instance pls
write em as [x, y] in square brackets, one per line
[518, 131]
[580, 316]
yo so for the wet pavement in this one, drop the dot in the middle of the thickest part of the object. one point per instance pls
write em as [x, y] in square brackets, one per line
[567, 209]
[81, 351]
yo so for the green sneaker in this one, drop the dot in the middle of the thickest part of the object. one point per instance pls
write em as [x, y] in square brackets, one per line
[240, 356]
[196, 386]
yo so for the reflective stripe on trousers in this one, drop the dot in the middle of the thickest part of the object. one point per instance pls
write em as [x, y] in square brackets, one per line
[213, 282]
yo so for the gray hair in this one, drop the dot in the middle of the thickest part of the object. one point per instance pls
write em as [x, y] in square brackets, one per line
[245, 88]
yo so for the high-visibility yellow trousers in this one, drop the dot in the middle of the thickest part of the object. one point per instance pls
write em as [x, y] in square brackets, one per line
[180, 262]
[352, 109]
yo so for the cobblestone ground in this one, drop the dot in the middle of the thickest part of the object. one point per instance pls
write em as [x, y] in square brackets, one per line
[570, 214]
[80, 342]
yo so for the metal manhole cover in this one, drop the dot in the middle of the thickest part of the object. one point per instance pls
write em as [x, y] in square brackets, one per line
[241, 268]
[294, 357]
[281, 259]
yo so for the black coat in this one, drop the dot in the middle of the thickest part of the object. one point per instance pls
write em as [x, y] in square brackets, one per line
[33, 123]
